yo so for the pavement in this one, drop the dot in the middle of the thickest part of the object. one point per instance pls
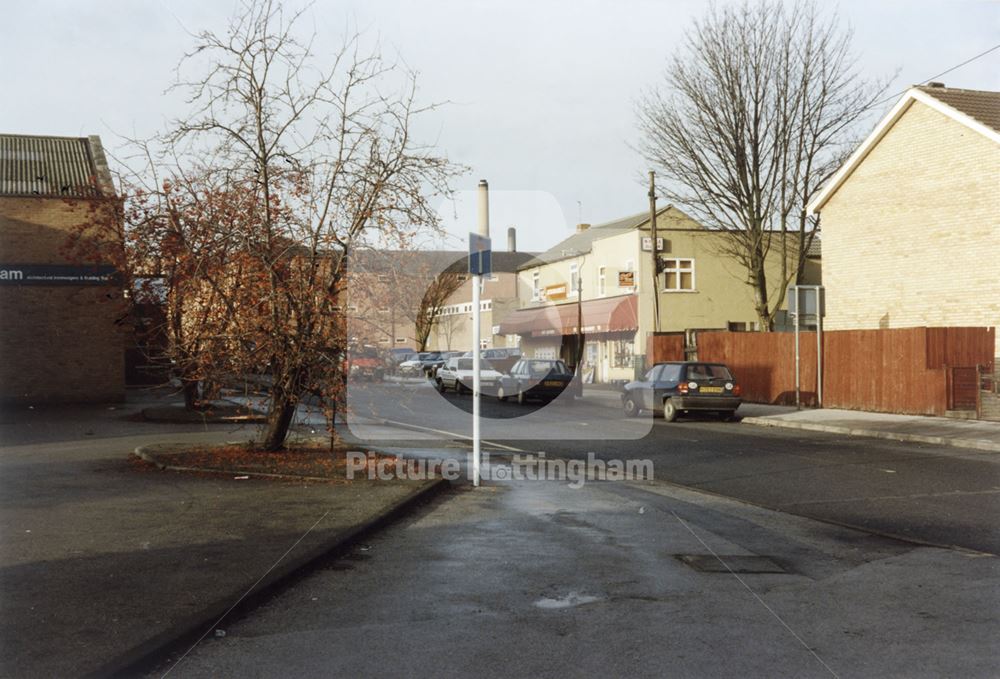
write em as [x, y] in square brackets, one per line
[974, 434]
[536, 579]
[946, 431]
[105, 563]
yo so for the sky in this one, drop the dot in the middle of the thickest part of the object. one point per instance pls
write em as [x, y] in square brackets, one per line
[539, 96]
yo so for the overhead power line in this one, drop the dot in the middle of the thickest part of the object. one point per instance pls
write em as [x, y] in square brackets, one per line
[946, 72]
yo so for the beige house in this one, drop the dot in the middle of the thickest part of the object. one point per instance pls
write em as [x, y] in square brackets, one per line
[604, 276]
[386, 289]
[911, 223]
[452, 330]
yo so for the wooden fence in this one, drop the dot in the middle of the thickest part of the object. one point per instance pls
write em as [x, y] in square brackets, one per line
[664, 346]
[899, 371]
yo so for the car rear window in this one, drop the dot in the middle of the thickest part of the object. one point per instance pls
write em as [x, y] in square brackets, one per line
[541, 368]
[466, 364]
[703, 372]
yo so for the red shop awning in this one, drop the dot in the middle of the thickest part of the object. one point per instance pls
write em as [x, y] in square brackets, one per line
[610, 314]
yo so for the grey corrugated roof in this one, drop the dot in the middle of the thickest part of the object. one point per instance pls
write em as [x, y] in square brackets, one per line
[53, 166]
[583, 241]
[980, 105]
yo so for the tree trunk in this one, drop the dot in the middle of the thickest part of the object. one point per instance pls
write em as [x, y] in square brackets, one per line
[760, 298]
[190, 389]
[279, 419]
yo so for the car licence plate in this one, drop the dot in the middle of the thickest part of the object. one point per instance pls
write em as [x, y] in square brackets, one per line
[552, 383]
[711, 390]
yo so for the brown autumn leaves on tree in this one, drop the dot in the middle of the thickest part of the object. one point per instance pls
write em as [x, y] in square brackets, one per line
[757, 110]
[245, 214]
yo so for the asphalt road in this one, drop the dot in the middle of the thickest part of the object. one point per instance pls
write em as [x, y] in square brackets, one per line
[934, 494]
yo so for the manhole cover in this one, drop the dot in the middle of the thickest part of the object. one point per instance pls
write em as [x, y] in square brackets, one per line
[708, 563]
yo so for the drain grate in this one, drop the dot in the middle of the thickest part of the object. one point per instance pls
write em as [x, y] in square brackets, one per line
[707, 563]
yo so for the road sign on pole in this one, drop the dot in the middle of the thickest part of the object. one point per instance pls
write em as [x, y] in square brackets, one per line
[480, 255]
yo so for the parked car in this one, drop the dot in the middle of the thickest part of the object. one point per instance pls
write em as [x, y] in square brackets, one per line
[457, 374]
[681, 387]
[400, 354]
[364, 363]
[424, 363]
[536, 378]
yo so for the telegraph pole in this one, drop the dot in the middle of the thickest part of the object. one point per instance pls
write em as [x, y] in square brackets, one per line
[655, 251]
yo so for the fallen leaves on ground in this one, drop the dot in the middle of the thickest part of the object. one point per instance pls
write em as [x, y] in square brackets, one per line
[317, 461]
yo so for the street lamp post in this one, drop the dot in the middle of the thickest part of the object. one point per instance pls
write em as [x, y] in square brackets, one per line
[579, 324]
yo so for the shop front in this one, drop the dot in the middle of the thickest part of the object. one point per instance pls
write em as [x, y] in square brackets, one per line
[599, 333]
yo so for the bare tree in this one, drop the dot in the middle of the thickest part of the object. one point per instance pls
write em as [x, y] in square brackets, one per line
[755, 113]
[447, 326]
[320, 161]
[435, 298]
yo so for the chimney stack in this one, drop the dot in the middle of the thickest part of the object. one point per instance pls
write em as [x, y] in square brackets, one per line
[580, 228]
[511, 239]
[483, 205]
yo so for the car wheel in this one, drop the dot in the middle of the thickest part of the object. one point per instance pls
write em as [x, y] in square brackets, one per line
[727, 415]
[439, 385]
[500, 395]
[669, 410]
[631, 407]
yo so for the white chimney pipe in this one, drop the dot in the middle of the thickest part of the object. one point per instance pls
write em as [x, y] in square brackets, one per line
[511, 239]
[484, 208]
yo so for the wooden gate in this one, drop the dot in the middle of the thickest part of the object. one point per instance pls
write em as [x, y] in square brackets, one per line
[963, 393]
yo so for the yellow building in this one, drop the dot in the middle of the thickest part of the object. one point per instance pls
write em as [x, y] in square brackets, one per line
[911, 223]
[604, 276]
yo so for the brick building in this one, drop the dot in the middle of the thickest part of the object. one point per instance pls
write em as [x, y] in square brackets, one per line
[61, 337]
[911, 222]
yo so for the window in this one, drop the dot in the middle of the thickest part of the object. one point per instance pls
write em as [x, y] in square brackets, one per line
[574, 279]
[602, 281]
[622, 353]
[671, 373]
[629, 266]
[536, 291]
[678, 275]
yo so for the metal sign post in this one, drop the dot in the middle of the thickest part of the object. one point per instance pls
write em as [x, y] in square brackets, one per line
[798, 385]
[798, 306]
[480, 264]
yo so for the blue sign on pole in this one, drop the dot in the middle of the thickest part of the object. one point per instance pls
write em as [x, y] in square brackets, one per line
[480, 255]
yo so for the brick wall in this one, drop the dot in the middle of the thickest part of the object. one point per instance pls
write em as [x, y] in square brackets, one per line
[912, 238]
[57, 343]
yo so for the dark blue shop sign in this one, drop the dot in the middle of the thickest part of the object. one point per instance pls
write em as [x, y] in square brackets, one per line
[56, 274]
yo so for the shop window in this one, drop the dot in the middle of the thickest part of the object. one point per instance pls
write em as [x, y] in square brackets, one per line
[622, 353]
